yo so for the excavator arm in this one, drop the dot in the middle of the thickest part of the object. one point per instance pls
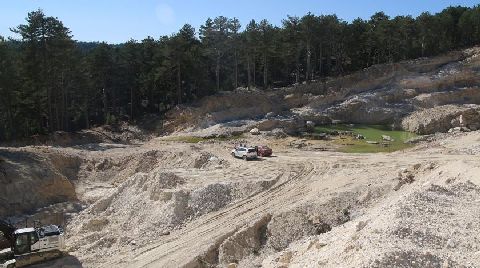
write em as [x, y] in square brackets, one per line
[8, 239]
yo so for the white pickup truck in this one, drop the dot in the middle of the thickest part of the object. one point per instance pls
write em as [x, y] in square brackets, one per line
[245, 153]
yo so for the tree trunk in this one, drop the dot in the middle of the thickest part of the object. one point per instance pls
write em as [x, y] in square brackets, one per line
[87, 119]
[236, 70]
[249, 74]
[265, 71]
[297, 65]
[57, 114]
[179, 84]
[114, 101]
[10, 133]
[64, 103]
[131, 104]
[309, 58]
[320, 67]
[44, 82]
[50, 111]
[297, 73]
[217, 71]
[56, 103]
[105, 104]
[254, 72]
[423, 47]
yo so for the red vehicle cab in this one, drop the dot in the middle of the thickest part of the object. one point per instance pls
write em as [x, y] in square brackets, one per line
[264, 150]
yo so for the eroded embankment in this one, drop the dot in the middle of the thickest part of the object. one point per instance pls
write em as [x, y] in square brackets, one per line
[31, 181]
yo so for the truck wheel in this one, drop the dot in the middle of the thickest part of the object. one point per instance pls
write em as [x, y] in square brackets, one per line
[245, 158]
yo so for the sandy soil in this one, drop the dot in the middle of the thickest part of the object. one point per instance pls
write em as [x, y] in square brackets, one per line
[173, 204]
[165, 203]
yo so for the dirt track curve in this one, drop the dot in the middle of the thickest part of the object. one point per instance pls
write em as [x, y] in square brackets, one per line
[199, 236]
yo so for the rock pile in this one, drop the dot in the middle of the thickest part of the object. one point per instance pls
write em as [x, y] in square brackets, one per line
[443, 118]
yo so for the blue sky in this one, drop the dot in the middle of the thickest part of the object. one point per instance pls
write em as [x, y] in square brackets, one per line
[120, 20]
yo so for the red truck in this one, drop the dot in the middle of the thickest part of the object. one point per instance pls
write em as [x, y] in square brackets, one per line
[263, 150]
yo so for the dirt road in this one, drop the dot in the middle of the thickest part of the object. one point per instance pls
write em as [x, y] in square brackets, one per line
[305, 176]
[171, 204]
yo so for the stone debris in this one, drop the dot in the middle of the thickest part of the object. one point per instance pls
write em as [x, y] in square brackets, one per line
[387, 138]
[255, 131]
[130, 201]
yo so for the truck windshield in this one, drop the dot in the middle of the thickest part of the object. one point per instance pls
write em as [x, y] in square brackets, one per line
[251, 150]
[22, 240]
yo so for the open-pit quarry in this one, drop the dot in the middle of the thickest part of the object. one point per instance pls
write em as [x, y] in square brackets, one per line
[179, 199]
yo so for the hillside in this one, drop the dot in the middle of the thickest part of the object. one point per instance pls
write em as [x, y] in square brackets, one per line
[382, 94]
[128, 198]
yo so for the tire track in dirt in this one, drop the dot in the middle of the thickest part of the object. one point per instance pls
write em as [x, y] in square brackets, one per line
[198, 236]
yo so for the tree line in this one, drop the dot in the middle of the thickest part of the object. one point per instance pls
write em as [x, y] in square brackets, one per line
[50, 82]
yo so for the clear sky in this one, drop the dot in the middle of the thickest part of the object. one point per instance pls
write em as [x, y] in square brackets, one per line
[116, 21]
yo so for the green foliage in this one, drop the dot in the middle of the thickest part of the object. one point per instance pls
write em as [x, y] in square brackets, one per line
[111, 119]
[49, 82]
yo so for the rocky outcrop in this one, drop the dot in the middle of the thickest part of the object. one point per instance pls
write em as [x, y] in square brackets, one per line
[367, 110]
[287, 227]
[313, 115]
[222, 108]
[289, 125]
[30, 181]
[245, 242]
[464, 95]
[443, 118]
[380, 94]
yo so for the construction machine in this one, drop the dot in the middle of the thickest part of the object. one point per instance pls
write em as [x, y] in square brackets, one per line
[27, 246]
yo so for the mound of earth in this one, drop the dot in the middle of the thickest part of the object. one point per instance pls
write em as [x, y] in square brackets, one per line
[166, 203]
[443, 118]
[123, 132]
[423, 225]
[30, 181]
[148, 206]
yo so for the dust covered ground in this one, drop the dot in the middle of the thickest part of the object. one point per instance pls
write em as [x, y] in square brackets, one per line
[166, 203]
[128, 198]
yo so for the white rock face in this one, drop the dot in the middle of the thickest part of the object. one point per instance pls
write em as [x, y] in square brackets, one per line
[443, 118]
[255, 131]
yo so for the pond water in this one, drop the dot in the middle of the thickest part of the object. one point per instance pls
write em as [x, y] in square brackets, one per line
[373, 134]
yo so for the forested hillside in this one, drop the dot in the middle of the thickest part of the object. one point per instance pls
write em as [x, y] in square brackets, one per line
[50, 82]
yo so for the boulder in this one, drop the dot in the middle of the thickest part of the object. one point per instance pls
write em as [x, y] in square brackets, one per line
[298, 143]
[279, 133]
[458, 129]
[270, 115]
[290, 125]
[359, 137]
[310, 126]
[317, 117]
[255, 131]
[387, 138]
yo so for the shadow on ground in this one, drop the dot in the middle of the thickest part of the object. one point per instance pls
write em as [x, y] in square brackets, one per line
[67, 261]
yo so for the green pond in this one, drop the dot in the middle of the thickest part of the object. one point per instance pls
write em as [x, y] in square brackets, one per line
[372, 133]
